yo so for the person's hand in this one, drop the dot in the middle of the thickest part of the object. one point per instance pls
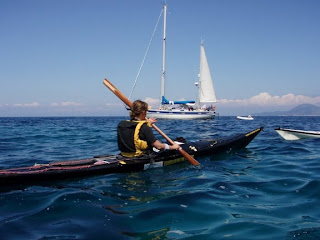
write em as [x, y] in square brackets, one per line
[175, 146]
[152, 120]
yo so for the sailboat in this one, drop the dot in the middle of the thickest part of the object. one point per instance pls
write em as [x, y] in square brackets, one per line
[187, 109]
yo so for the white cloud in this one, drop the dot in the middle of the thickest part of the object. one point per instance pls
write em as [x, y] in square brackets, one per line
[263, 102]
[152, 102]
[70, 104]
[33, 104]
[114, 104]
[65, 104]
[265, 99]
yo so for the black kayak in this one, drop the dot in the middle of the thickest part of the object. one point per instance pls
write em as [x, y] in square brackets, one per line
[106, 164]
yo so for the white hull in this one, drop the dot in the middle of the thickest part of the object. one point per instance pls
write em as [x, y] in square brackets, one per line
[291, 134]
[245, 118]
[180, 114]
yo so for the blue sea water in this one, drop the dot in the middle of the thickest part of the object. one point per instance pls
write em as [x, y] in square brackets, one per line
[270, 190]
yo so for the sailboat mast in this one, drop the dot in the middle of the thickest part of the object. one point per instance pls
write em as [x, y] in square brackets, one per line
[163, 50]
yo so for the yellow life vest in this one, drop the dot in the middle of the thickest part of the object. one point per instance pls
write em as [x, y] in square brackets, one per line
[140, 145]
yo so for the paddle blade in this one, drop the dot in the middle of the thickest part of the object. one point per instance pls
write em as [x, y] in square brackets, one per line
[116, 91]
[189, 157]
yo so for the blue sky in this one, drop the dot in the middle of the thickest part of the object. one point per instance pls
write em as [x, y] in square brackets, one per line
[263, 55]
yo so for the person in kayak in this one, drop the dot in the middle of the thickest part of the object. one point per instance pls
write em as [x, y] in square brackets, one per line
[135, 136]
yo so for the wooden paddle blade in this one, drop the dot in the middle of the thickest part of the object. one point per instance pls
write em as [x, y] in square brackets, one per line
[189, 157]
[119, 94]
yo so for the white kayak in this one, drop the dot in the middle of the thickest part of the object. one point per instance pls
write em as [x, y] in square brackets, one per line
[291, 134]
[245, 118]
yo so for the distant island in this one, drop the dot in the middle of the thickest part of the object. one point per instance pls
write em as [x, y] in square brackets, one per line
[301, 110]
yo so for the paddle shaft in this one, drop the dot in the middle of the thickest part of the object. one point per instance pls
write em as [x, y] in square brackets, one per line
[123, 98]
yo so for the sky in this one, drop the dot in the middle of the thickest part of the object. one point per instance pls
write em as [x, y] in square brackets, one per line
[264, 55]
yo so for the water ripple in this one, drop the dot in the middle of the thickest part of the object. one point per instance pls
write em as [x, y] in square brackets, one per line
[270, 190]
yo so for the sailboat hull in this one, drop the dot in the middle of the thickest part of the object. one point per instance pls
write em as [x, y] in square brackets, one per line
[181, 114]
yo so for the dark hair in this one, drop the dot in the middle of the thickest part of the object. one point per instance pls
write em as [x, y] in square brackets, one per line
[138, 107]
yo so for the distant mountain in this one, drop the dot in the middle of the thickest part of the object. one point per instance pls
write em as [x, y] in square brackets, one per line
[301, 110]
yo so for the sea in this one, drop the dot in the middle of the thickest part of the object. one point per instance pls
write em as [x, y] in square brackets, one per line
[269, 190]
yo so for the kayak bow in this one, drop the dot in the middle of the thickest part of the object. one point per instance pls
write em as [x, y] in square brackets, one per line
[292, 134]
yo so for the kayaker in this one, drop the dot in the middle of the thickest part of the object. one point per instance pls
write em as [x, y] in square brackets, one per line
[135, 136]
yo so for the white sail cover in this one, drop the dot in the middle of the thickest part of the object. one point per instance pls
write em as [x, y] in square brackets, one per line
[206, 90]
